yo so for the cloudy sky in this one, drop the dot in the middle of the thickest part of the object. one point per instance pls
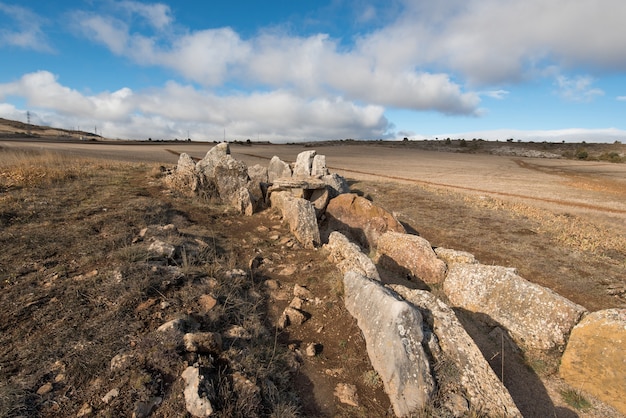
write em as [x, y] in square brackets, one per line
[292, 70]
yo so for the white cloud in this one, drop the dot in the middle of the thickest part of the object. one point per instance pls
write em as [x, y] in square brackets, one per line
[621, 98]
[496, 41]
[26, 32]
[577, 89]
[173, 110]
[312, 66]
[157, 15]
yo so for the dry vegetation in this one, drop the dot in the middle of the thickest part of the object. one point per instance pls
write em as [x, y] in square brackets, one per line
[78, 287]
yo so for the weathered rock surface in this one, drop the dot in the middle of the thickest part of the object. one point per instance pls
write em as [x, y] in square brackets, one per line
[258, 182]
[277, 169]
[203, 342]
[360, 219]
[451, 256]
[195, 404]
[338, 185]
[318, 166]
[412, 253]
[230, 176]
[346, 393]
[595, 357]
[300, 216]
[212, 158]
[304, 163]
[472, 377]
[536, 317]
[348, 256]
[393, 336]
[185, 178]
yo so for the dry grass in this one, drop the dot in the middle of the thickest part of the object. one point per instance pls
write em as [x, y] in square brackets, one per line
[78, 286]
[567, 230]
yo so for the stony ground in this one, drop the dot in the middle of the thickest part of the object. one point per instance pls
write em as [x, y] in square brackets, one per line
[66, 242]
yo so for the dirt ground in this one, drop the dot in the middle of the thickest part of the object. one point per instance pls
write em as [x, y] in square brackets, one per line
[560, 222]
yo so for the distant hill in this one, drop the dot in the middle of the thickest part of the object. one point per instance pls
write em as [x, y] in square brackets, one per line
[13, 128]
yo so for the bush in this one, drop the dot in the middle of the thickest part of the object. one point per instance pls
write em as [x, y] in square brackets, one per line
[581, 154]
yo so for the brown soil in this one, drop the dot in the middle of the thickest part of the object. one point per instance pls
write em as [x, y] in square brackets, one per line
[559, 222]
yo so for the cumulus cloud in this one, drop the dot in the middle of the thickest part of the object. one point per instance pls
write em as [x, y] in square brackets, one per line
[24, 30]
[175, 109]
[495, 41]
[311, 66]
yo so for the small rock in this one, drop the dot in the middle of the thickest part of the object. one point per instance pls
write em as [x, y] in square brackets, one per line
[237, 331]
[85, 410]
[302, 292]
[206, 302]
[296, 303]
[272, 284]
[311, 349]
[45, 388]
[178, 324]
[347, 394]
[295, 316]
[120, 361]
[162, 249]
[288, 271]
[195, 404]
[113, 393]
[144, 409]
[203, 342]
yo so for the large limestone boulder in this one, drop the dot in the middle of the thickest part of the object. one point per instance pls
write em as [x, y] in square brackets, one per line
[212, 157]
[595, 357]
[318, 166]
[277, 169]
[536, 317]
[304, 164]
[469, 373]
[393, 336]
[348, 256]
[337, 184]
[360, 219]
[185, 177]
[231, 180]
[300, 216]
[411, 253]
[450, 256]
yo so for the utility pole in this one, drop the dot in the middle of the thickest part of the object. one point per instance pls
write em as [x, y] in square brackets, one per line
[28, 121]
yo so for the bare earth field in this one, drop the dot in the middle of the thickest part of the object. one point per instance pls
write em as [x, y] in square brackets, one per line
[560, 222]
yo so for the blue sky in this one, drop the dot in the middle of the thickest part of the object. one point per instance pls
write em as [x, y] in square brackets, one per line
[318, 69]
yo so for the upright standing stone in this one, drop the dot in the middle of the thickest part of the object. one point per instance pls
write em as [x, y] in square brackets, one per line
[318, 167]
[277, 169]
[304, 163]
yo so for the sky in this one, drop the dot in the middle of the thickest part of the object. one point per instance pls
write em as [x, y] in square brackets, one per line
[305, 70]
